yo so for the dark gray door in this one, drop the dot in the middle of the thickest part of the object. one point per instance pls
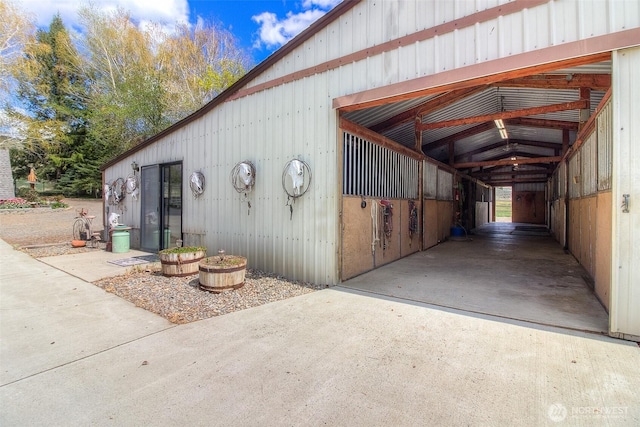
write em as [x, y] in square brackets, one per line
[150, 200]
[171, 204]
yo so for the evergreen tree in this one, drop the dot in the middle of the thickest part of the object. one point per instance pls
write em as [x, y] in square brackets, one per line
[54, 92]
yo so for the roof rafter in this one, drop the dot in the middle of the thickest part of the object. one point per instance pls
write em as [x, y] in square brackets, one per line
[575, 105]
[504, 142]
[542, 123]
[429, 106]
[489, 174]
[503, 162]
[509, 154]
[600, 82]
[460, 135]
[506, 182]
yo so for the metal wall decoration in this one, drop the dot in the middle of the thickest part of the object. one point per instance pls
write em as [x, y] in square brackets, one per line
[116, 191]
[132, 185]
[196, 183]
[243, 178]
[296, 180]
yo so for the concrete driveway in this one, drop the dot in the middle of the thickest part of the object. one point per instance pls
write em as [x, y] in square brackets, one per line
[74, 355]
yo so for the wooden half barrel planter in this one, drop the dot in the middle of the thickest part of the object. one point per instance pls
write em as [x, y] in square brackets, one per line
[180, 262]
[218, 274]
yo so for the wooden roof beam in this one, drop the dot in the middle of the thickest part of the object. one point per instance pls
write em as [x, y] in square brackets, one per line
[489, 174]
[504, 182]
[504, 162]
[503, 143]
[542, 123]
[600, 82]
[458, 136]
[518, 153]
[490, 147]
[575, 105]
[430, 106]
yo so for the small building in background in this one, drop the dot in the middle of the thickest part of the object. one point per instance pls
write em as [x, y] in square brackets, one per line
[7, 186]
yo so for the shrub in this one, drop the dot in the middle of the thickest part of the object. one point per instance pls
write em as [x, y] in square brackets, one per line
[58, 205]
[183, 250]
[30, 195]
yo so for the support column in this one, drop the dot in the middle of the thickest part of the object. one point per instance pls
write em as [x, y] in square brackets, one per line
[420, 201]
[624, 316]
[585, 95]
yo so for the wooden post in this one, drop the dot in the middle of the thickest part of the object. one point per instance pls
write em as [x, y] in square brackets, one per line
[452, 152]
[420, 201]
[565, 141]
[585, 95]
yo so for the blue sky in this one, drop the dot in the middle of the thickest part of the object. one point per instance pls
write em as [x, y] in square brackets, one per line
[260, 26]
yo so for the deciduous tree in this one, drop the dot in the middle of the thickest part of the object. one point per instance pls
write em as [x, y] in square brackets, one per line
[16, 31]
[198, 61]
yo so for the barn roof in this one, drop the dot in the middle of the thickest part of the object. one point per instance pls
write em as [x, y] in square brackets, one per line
[542, 112]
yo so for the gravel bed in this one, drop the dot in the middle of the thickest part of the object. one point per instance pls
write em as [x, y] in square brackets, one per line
[43, 233]
[42, 251]
[179, 300]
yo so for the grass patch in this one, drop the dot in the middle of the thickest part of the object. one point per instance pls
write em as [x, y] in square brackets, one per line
[503, 209]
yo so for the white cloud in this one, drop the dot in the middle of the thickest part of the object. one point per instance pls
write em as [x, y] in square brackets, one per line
[160, 11]
[275, 32]
[323, 4]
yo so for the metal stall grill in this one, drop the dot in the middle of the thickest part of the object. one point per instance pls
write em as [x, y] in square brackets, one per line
[375, 171]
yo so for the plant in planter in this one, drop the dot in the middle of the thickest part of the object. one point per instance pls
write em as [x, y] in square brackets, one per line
[222, 272]
[181, 261]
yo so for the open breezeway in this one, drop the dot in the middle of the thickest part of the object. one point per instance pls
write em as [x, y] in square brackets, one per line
[515, 271]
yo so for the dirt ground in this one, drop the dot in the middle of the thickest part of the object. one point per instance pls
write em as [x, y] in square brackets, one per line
[25, 227]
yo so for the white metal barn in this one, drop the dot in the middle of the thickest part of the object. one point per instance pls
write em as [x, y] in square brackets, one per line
[428, 105]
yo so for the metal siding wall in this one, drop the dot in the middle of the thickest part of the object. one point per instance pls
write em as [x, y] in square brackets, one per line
[589, 165]
[625, 259]
[429, 180]
[574, 176]
[605, 142]
[534, 186]
[371, 23]
[445, 185]
[562, 181]
[268, 131]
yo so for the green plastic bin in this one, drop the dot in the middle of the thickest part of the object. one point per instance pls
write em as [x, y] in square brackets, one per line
[120, 240]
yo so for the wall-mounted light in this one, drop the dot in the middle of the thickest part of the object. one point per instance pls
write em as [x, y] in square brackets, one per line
[503, 131]
[134, 166]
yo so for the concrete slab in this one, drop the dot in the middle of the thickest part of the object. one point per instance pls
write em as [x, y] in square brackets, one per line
[94, 265]
[339, 357]
[49, 318]
[503, 271]
[71, 354]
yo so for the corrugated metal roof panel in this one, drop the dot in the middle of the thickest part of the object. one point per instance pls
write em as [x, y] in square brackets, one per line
[372, 116]
[481, 103]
